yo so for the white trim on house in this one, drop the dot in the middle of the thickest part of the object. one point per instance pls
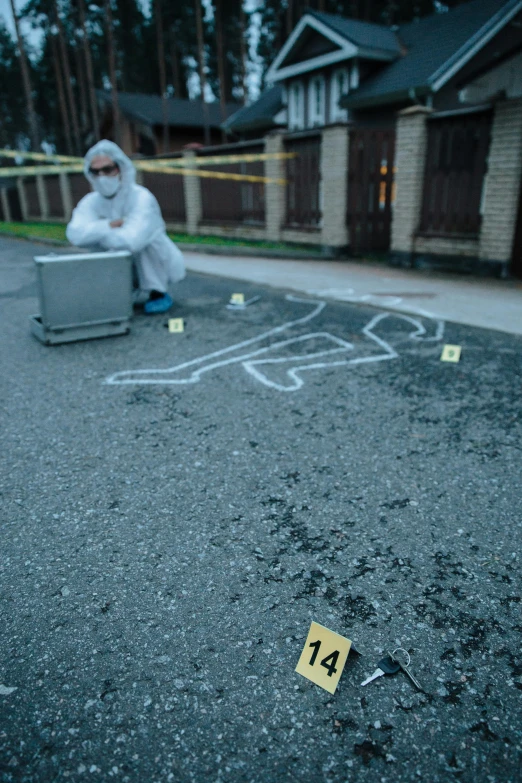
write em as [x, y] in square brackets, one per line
[317, 101]
[346, 50]
[296, 106]
[354, 75]
[315, 63]
[339, 86]
[504, 78]
[464, 54]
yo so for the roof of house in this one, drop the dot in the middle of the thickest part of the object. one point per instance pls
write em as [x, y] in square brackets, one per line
[260, 114]
[181, 112]
[364, 34]
[433, 45]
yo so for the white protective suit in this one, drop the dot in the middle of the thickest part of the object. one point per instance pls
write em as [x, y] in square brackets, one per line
[158, 260]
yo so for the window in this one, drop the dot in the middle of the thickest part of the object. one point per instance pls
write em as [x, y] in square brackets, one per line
[354, 76]
[296, 106]
[316, 102]
[339, 86]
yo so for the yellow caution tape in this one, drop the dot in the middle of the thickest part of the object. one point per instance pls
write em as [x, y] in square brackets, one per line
[224, 160]
[31, 171]
[207, 174]
[183, 167]
[39, 156]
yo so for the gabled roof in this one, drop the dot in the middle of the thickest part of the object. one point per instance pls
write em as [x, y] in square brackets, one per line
[181, 113]
[260, 114]
[363, 34]
[437, 46]
[350, 37]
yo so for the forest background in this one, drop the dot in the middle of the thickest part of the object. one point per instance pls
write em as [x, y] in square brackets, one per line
[55, 54]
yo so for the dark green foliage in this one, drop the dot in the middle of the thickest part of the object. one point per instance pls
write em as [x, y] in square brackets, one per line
[136, 49]
[12, 104]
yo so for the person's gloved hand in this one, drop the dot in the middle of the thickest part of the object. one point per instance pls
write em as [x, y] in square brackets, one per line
[116, 223]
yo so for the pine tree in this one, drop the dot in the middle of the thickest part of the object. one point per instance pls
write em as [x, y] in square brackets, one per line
[12, 102]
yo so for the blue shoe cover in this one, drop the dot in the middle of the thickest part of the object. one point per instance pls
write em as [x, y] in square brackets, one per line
[158, 305]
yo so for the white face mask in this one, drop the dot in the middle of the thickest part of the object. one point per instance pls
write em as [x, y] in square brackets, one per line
[107, 186]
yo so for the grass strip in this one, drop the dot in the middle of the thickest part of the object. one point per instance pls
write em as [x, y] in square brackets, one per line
[56, 232]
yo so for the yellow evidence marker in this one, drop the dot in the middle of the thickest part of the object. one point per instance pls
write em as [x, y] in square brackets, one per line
[323, 657]
[237, 299]
[451, 353]
[176, 325]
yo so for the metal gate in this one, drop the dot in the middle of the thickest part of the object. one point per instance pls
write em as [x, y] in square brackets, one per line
[371, 189]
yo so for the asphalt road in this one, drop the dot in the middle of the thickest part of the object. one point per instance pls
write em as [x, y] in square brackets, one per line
[165, 545]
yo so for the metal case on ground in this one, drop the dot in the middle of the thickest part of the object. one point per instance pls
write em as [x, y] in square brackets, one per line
[83, 296]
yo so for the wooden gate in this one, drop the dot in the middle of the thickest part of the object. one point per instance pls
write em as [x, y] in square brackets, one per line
[303, 191]
[456, 164]
[371, 190]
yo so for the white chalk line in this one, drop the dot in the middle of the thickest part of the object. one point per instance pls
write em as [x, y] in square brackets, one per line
[252, 362]
[380, 300]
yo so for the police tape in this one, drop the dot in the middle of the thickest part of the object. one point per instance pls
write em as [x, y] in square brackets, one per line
[4, 153]
[224, 160]
[33, 171]
[209, 174]
[214, 160]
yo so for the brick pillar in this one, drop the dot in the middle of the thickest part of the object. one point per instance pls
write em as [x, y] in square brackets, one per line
[334, 177]
[275, 195]
[21, 195]
[502, 185]
[192, 190]
[5, 205]
[42, 196]
[65, 189]
[410, 154]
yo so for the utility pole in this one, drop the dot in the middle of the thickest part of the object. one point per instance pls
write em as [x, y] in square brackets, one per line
[24, 67]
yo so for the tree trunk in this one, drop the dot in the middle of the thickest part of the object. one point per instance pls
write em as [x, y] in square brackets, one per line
[220, 51]
[61, 95]
[174, 64]
[90, 71]
[112, 75]
[67, 78]
[80, 80]
[289, 17]
[24, 67]
[201, 60]
[160, 44]
[242, 49]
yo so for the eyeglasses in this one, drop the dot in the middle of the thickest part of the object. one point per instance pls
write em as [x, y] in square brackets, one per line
[105, 170]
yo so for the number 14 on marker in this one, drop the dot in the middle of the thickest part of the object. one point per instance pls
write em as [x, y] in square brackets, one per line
[323, 657]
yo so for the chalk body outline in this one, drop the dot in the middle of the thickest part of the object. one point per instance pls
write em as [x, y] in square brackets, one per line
[251, 361]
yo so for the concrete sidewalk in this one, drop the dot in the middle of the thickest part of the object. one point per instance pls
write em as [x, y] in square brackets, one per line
[483, 302]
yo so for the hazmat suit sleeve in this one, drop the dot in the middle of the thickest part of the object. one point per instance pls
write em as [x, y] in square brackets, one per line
[86, 228]
[141, 225]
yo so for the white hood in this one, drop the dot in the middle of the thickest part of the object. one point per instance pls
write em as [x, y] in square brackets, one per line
[127, 170]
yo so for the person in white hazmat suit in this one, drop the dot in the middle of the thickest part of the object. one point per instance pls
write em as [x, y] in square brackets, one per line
[121, 215]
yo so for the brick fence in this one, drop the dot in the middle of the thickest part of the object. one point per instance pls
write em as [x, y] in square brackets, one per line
[450, 196]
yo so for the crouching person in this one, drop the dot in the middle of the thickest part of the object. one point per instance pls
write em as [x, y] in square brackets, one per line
[121, 215]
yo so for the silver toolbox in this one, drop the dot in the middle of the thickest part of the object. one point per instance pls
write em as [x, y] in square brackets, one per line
[83, 296]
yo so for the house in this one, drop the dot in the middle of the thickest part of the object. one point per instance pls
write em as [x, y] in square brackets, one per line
[337, 70]
[432, 151]
[142, 122]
